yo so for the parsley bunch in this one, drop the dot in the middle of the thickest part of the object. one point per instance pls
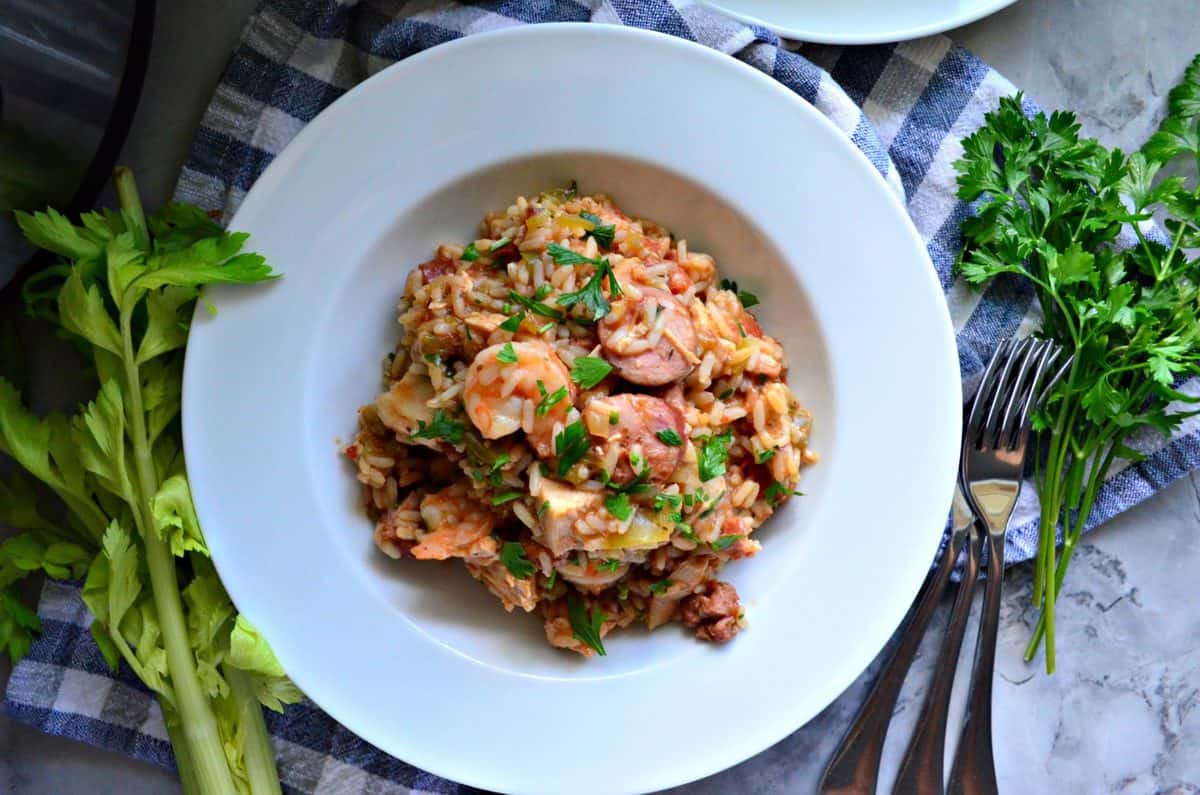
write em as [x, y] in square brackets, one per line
[1060, 211]
[123, 293]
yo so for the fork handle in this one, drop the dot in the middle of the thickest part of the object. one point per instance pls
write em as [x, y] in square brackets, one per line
[921, 771]
[974, 768]
[854, 768]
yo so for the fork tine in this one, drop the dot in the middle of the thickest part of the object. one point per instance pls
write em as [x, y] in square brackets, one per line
[1038, 391]
[985, 388]
[1062, 370]
[1021, 386]
[1003, 385]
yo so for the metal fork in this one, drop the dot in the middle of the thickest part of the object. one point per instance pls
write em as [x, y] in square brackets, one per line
[854, 768]
[993, 461]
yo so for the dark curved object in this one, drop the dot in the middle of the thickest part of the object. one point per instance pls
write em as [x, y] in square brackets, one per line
[99, 170]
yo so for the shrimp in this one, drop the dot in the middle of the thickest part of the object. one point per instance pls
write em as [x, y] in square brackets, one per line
[505, 397]
[459, 527]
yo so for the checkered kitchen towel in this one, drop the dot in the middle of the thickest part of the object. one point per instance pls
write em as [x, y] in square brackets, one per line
[906, 106]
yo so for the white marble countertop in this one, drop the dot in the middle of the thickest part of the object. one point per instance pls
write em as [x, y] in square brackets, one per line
[1123, 712]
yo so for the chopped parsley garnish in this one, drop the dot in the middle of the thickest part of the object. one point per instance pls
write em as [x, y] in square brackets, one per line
[585, 628]
[714, 452]
[495, 478]
[499, 244]
[470, 253]
[669, 437]
[512, 555]
[614, 417]
[610, 565]
[507, 496]
[603, 233]
[433, 358]
[764, 456]
[551, 400]
[618, 505]
[536, 307]
[542, 291]
[507, 354]
[587, 371]
[551, 579]
[565, 256]
[685, 530]
[636, 486]
[659, 588]
[777, 493]
[713, 507]
[513, 323]
[500, 461]
[440, 427]
[546, 327]
[747, 298]
[591, 295]
[570, 445]
[543, 508]
[667, 500]
[724, 542]
[728, 393]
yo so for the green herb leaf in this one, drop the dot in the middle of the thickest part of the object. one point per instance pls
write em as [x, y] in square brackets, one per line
[499, 244]
[669, 437]
[512, 555]
[763, 456]
[470, 253]
[588, 371]
[536, 307]
[571, 445]
[724, 542]
[659, 588]
[507, 354]
[565, 256]
[513, 323]
[603, 233]
[585, 629]
[714, 453]
[609, 566]
[619, 506]
[551, 400]
[440, 427]
[507, 496]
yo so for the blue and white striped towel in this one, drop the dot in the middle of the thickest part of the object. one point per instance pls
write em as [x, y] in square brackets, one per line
[906, 106]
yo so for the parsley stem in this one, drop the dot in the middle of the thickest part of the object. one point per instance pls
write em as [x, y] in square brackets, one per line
[1070, 541]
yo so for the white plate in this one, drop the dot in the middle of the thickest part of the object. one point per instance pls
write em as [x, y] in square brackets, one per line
[858, 21]
[419, 659]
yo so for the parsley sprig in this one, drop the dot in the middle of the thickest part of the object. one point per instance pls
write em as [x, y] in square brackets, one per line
[591, 295]
[1050, 205]
[586, 628]
[440, 427]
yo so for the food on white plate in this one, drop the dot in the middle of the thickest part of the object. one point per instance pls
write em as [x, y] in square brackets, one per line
[587, 416]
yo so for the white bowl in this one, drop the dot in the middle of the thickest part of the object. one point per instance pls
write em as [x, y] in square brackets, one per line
[858, 21]
[418, 658]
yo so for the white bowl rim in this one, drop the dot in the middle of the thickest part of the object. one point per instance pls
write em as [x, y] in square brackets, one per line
[778, 726]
